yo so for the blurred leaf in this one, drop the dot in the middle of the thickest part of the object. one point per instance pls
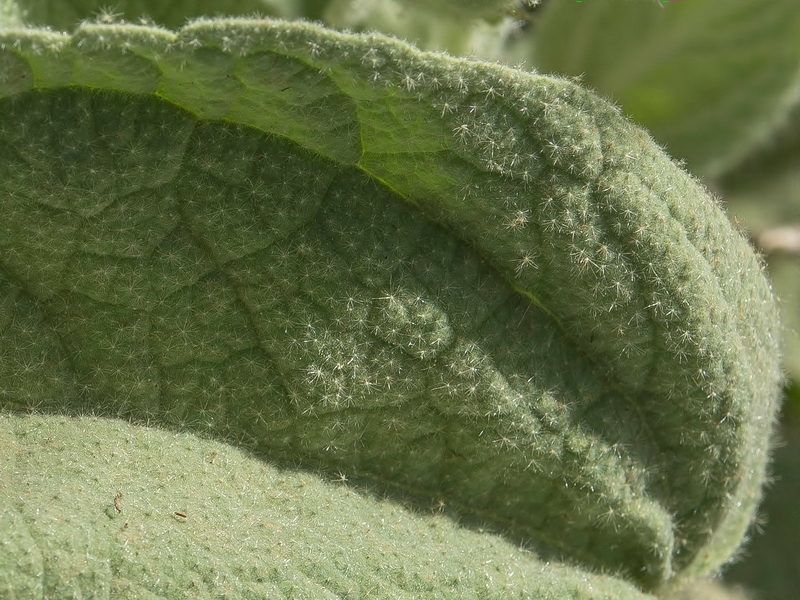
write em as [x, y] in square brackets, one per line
[427, 25]
[710, 79]
[65, 15]
[10, 13]
[764, 196]
[707, 589]
[773, 168]
[770, 565]
[785, 274]
[763, 203]
[463, 9]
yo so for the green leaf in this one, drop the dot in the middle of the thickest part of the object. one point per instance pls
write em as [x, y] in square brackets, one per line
[711, 80]
[201, 519]
[442, 277]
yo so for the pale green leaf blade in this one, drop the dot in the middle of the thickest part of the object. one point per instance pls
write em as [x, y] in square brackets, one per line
[84, 515]
[711, 80]
[461, 280]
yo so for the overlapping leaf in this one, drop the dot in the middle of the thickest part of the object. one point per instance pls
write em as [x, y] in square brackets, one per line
[166, 515]
[444, 277]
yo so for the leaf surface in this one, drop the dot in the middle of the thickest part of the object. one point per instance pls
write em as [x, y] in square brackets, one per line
[448, 278]
[201, 519]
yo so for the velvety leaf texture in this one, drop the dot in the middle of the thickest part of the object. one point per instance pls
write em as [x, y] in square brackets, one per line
[199, 519]
[447, 279]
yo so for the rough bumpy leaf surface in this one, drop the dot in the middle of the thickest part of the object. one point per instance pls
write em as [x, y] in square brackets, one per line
[443, 278]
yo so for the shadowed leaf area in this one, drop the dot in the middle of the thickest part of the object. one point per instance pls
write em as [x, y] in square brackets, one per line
[445, 279]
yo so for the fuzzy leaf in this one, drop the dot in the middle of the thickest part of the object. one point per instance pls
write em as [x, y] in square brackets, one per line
[449, 278]
[142, 529]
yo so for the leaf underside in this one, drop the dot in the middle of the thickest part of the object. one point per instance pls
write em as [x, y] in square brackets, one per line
[441, 277]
